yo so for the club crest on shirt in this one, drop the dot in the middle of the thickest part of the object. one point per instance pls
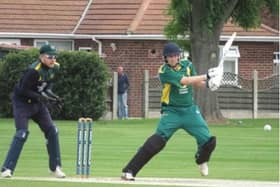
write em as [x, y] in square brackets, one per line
[51, 76]
[183, 90]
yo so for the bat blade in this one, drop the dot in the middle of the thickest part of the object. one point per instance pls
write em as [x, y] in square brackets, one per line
[226, 49]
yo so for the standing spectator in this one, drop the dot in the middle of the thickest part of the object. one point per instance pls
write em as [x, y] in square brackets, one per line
[31, 96]
[123, 85]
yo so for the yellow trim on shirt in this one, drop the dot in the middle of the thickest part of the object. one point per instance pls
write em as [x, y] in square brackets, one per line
[57, 64]
[38, 66]
[165, 93]
[188, 71]
[160, 69]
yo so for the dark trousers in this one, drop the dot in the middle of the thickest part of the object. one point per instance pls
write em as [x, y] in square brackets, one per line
[38, 112]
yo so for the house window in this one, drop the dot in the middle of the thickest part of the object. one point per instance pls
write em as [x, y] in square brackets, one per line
[185, 55]
[231, 66]
[62, 45]
[6, 45]
[276, 62]
[87, 49]
[10, 41]
[276, 57]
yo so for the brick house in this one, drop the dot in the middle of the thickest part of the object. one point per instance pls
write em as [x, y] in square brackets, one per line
[127, 33]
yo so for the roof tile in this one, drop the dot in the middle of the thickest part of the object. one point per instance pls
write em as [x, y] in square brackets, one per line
[40, 16]
[102, 17]
[229, 28]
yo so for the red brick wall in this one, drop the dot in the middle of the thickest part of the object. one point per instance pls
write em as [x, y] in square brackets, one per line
[256, 56]
[135, 56]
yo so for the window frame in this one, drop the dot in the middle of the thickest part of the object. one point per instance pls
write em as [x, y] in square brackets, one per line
[231, 58]
[87, 49]
[276, 57]
[10, 41]
[46, 41]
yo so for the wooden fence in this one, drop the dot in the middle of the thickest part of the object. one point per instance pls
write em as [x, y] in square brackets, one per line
[256, 96]
[237, 96]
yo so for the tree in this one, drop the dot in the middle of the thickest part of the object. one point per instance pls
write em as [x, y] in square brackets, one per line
[203, 21]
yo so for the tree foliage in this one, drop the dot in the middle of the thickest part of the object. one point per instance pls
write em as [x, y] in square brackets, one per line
[245, 13]
[179, 10]
[202, 21]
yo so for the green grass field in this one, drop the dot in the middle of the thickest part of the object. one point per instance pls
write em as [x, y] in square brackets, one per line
[244, 151]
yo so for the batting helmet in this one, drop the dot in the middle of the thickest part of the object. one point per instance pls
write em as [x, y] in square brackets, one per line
[171, 49]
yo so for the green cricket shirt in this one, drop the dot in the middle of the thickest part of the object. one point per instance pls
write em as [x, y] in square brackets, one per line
[45, 74]
[173, 92]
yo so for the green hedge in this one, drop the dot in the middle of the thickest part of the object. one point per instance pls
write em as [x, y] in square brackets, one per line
[11, 68]
[81, 82]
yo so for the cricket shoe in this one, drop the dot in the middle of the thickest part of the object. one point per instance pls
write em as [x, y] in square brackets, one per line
[127, 176]
[203, 168]
[58, 173]
[7, 173]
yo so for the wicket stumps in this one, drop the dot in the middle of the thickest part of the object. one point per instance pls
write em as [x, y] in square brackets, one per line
[84, 144]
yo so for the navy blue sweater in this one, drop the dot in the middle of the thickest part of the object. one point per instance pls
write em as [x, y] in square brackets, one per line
[123, 83]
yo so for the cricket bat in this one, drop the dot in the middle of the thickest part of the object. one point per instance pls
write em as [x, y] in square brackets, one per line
[226, 49]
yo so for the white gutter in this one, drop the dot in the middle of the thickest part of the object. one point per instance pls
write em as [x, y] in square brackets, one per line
[43, 35]
[11, 35]
[252, 38]
[99, 45]
[163, 37]
[132, 37]
[82, 17]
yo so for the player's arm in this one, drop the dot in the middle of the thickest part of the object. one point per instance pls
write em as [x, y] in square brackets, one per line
[198, 80]
[172, 77]
[28, 82]
[49, 91]
[201, 84]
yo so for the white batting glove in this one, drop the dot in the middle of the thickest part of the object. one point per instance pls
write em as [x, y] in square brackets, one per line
[213, 72]
[214, 83]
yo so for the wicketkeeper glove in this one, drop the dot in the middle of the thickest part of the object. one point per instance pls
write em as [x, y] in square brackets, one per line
[51, 102]
[42, 99]
[59, 103]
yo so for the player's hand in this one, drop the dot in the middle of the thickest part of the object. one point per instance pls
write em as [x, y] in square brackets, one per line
[55, 105]
[59, 102]
[46, 99]
[43, 99]
[214, 83]
[213, 72]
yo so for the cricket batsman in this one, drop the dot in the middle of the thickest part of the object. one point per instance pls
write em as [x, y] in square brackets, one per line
[31, 96]
[178, 77]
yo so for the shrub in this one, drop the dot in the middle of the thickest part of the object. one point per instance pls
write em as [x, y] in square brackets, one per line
[12, 67]
[81, 82]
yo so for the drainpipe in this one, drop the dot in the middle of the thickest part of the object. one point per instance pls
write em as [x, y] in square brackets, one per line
[99, 46]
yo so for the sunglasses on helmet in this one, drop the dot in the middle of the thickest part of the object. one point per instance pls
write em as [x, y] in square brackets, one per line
[51, 57]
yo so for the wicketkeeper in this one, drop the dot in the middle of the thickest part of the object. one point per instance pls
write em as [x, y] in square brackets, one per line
[31, 96]
[178, 111]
